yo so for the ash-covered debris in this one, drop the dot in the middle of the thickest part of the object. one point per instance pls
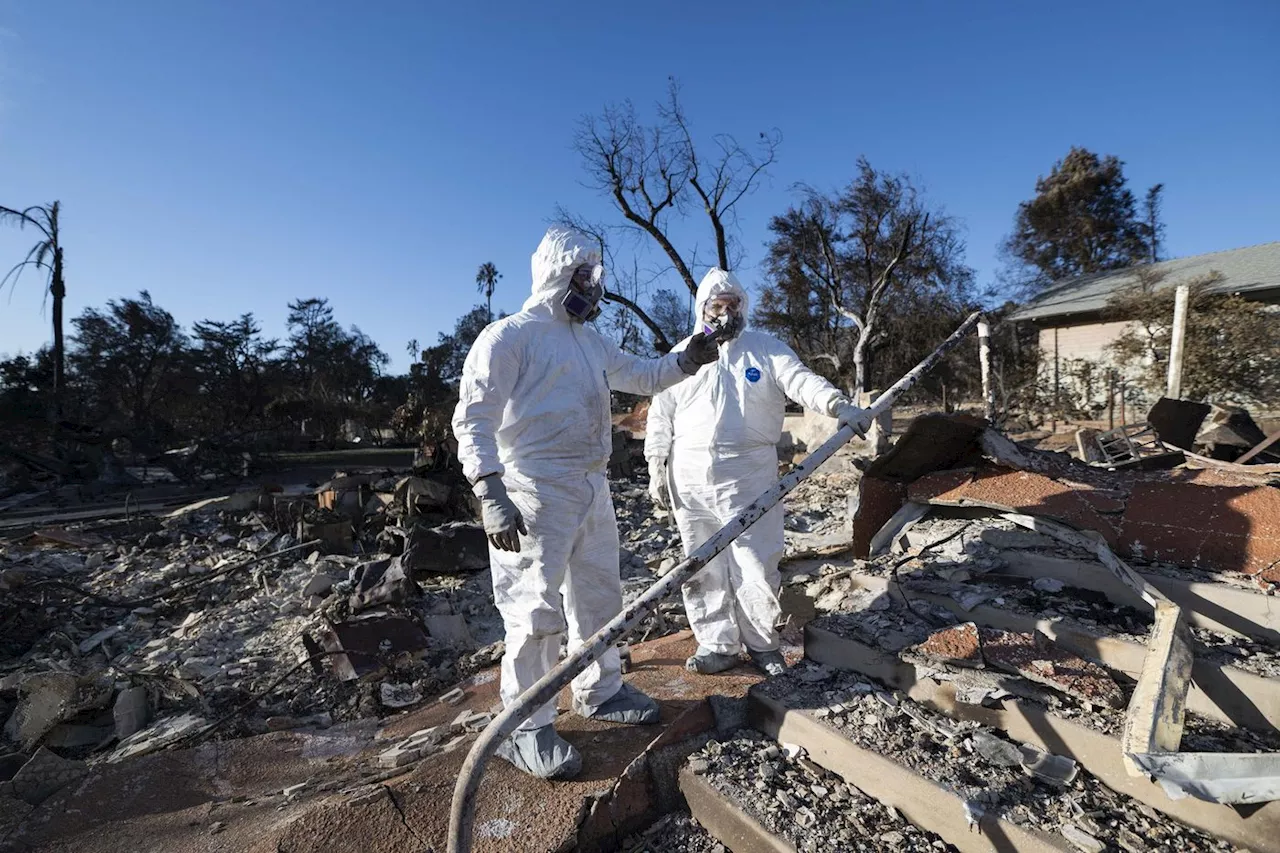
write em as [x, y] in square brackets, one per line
[673, 833]
[260, 612]
[1015, 781]
[797, 800]
[238, 617]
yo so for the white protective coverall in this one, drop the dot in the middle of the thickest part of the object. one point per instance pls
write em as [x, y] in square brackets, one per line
[534, 408]
[719, 432]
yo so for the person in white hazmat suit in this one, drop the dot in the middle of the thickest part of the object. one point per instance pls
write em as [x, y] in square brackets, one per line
[534, 437]
[711, 444]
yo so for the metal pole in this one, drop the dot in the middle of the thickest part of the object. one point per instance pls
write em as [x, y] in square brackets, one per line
[1111, 398]
[1182, 296]
[546, 689]
[984, 358]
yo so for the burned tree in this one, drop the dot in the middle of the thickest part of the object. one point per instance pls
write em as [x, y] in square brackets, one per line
[656, 176]
[46, 254]
[855, 271]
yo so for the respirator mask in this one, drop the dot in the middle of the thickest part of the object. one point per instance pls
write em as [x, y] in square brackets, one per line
[722, 318]
[586, 289]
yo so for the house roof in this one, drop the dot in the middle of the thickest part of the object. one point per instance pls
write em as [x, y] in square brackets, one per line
[1246, 270]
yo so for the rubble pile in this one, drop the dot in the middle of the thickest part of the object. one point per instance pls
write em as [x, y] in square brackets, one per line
[1015, 781]
[675, 833]
[236, 616]
[801, 802]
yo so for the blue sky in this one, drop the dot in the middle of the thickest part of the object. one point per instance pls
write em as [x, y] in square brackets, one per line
[230, 155]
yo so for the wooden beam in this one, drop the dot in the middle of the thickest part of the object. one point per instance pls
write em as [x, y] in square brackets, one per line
[1157, 710]
[1179, 335]
[1259, 448]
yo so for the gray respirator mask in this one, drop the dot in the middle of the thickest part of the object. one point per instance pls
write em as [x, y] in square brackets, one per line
[586, 289]
[723, 328]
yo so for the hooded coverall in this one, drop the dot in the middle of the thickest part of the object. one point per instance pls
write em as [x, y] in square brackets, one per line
[534, 408]
[719, 434]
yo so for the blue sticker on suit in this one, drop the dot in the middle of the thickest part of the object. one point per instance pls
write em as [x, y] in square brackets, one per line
[753, 374]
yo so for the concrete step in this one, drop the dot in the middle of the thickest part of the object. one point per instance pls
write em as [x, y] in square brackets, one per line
[1098, 753]
[958, 821]
[756, 796]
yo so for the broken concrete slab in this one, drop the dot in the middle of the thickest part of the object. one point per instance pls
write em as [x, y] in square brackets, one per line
[1037, 659]
[1030, 656]
[1207, 523]
[1210, 519]
[163, 733]
[959, 644]
[44, 701]
[44, 775]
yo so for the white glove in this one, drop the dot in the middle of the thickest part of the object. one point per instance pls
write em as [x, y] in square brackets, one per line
[502, 520]
[659, 489]
[849, 414]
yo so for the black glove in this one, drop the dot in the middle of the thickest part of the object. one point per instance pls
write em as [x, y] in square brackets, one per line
[699, 351]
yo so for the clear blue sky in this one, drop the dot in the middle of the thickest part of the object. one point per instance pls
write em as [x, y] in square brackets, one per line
[230, 155]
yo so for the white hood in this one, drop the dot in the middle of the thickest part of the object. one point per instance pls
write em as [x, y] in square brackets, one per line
[561, 251]
[714, 283]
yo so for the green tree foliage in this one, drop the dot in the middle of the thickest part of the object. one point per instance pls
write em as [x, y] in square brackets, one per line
[1083, 219]
[1231, 353]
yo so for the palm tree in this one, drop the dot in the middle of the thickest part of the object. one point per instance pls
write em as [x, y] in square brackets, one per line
[46, 255]
[486, 281]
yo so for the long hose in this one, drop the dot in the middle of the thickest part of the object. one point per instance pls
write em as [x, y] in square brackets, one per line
[549, 686]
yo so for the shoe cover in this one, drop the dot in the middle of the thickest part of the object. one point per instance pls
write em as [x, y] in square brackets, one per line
[628, 705]
[541, 752]
[708, 662]
[771, 663]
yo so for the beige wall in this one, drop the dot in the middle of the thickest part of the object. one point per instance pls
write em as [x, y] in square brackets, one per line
[1085, 342]
[1088, 341]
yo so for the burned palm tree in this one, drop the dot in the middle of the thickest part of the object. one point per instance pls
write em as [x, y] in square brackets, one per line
[486, 282]
[46, 255]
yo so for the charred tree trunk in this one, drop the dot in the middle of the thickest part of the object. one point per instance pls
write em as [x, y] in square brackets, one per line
[58, 289]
